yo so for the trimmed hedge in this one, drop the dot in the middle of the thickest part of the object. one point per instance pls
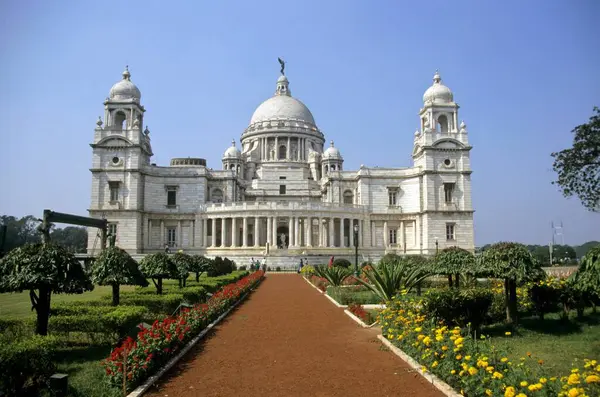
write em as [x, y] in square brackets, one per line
[342, 263]
[26, 365]
[112, 321]
[164, 304]
[462, 307]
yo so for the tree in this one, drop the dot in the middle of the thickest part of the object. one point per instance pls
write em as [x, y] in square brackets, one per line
[158, 267]
[184, 263]
[19, 231]
[42, 269]
[73, 238]
[587, 277]
[515, 264]
[115, 267]
[200, 264]
[454, 261]
[578, 168]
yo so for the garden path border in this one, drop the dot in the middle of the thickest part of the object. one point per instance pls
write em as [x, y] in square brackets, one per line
[358, 320]
[434, 380]
[366, 306]
[312, 285]
[140, 390]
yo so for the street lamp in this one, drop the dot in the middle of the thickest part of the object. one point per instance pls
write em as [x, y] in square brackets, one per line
[436, 245]
[356, 250]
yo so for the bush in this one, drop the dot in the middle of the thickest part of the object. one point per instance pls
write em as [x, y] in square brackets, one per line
[220, 266]
[463, 307]
[27, 365]
[545, 296]
[243, 267]
[307, 270]
[194, 294]
[108, 320]
[342, 263]
[164, 304]
[353, 295]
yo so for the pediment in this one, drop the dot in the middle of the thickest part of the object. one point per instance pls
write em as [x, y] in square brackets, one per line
[448, 143]
[115, 141]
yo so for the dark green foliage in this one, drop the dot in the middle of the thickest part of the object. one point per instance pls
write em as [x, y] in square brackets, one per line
[340, 262]
[453, 261]
[158, 266]
[353, 294]
[588, 274]
[389, 278]
[335, 275]
[390, 258]
[278, 269]
[578, 167]
[45, 268]
[515, 264]
[545, 298]
[114, 266]
[467, 306]
[194, 294]
[184, 265]
[220, 266]
[200, 264]
[243, 267]
[112, 321]
[26, 366]
[164, 303]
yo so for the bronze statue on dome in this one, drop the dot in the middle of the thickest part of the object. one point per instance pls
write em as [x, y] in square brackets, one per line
[282, 63]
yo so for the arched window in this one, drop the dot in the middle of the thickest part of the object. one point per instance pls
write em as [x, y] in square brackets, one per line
[326, 169]
[217, 196]
[232, 167]
[348, 197]
[238, 169]
[119, 120]
[442, 123]
[282, 152]
[332, 167]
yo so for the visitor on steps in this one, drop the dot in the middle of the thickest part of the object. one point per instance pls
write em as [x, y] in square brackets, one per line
[331, 261]
[300, 267]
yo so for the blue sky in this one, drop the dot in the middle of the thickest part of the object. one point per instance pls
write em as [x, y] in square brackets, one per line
[524, 72]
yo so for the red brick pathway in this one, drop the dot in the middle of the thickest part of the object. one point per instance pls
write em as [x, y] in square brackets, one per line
[288, 340]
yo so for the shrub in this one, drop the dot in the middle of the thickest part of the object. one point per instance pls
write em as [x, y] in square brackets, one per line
[463, 307]
[389, 278]
[27, 365]
[545, 296]
[220, 266]
[165, 304]
[194, 294]
[278, 269]
[360, 312]
[307, 270]
[159, 266]
[111, 321]
[243, 267]
[334, 275]
[342, 263]
[319, 282]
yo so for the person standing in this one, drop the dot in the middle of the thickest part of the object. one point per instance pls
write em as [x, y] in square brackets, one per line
[331, 261]
[300, 266]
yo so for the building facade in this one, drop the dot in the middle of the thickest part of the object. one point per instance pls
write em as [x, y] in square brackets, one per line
[285, 193]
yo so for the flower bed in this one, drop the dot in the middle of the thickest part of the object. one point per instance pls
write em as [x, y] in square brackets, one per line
[139, 358]
[475, 367]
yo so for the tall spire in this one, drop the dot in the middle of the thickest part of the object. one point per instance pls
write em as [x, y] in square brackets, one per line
[126, 74]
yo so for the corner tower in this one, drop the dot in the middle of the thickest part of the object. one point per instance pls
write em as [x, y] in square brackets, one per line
[442, 152]
[120, 150]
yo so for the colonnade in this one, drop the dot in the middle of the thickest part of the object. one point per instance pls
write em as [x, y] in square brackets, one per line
[280, 232]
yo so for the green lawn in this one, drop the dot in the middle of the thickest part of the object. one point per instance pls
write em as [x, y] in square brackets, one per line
[345, 295]
[558, 343]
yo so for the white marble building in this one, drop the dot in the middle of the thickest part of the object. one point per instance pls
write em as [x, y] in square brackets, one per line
[286, 192]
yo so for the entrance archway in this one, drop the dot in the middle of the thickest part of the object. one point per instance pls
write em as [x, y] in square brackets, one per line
[283, 237]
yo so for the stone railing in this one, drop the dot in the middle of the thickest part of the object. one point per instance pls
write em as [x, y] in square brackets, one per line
[283, 206]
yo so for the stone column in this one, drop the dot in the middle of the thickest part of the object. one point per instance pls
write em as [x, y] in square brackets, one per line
[291, 231]
[342, 239]
[269, 234]
[179, 233]
[223, 233]
[256, 231]
[385, 235]
[149, 233]
[163, 241]
[297, 232]
[331, 236]
[245, 232]
[275, 237]
[309, 231]
[204, 232]
[351, 231]
[234, 232]
[416, 232]
[400, 235]
[213, 241]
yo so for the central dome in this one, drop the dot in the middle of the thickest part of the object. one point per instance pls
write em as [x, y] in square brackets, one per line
[282, 107]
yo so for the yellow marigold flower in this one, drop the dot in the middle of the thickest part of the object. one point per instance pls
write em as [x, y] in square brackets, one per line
[521, 395]
[524, 383]
[458, 341]
[573, 379]
[453, 371]
[543, 380]
[510, 392]
[439, 338]
[504, 359]
[573, 392]
[461, 373]
[497, 375]
[507, 333]
[489, 369]
[574, 370]
[456, 331]
[467, 357]
[423, 368]
[418, 329]
[488, 392]
[421, 337]
[535, 387]
[540, 362]
[435, 364]
[427, 341]
[444, 348]
[472, 370]
[528, 354]
[597, 369]
[459, 357]
[592, 379]
[553, 378]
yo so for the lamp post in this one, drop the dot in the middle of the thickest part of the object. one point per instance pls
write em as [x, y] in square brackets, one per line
[356, 250]
[436, 245]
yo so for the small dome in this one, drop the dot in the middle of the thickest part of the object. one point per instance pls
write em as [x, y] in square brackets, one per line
[125, 89]
[332, 153]
[438, 93]
[232, 152]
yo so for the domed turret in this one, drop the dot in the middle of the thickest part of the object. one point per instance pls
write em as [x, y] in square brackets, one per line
[332, 153]
[232, 152]
[438, 93]
[125, 89]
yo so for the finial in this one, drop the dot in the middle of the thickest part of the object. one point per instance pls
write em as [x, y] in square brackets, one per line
[146, 131]
[282, 63]
[436, 77]
[126, 74]
[332, 143]
[463, 126]
[99, 122]
[233, 142]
